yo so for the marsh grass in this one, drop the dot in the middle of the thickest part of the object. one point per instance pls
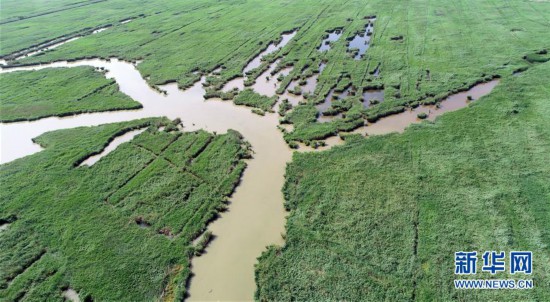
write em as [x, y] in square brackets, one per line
[250, 98]
[414, 68]
[380, 218]
[31, 95]
[422, 115]
[79, 227]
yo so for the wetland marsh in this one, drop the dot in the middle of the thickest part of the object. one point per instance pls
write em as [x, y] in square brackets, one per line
[145, 140]
[256, 216]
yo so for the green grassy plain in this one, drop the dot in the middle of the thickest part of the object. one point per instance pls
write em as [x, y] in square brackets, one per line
[30, 95]
[445, 46]
[379, 219]
[78, 227]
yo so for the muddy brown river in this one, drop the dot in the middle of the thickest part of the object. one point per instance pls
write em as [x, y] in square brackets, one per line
[256, 215]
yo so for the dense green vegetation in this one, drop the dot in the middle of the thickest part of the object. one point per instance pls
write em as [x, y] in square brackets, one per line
[29, 23]
[380, 219]
[250, 98]
[442, 46]
[120, 230]
[29, 95]
[376, 219]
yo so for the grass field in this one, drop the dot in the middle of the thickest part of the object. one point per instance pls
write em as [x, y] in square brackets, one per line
[120, 230]
[380, 219]
[424, 50]
[30, 95]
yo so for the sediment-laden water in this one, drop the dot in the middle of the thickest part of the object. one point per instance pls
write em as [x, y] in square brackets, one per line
[256, 216]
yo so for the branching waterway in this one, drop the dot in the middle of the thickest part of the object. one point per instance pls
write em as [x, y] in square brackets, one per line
[256, 215]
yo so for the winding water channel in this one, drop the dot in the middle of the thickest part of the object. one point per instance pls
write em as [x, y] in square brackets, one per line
[256, 215]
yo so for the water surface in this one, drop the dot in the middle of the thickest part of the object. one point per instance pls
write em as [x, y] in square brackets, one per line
[4, 226]
[361, 41]
[71, 295]
[326, 104]
[257, 61]
[399, 122]
[372, 96]
[256, 215]
[332, 37]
